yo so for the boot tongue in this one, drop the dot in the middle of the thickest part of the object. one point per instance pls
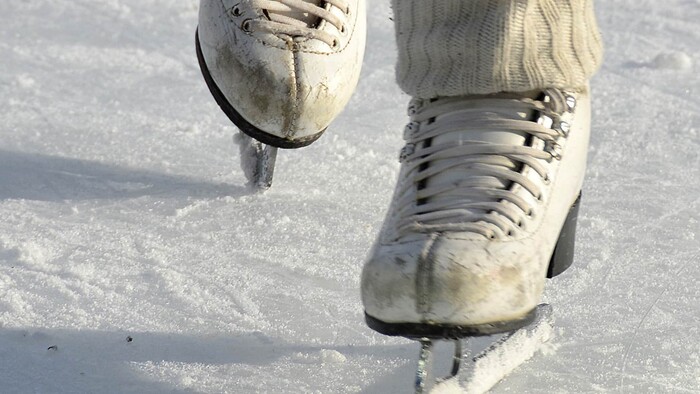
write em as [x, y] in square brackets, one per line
[305, 18]
[506, 137]
[470, 134]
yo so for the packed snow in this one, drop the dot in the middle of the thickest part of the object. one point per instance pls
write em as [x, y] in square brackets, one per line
[133, 258]
[673, 61]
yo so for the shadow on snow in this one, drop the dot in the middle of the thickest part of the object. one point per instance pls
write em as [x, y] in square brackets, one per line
[107, 361]
[40, 177]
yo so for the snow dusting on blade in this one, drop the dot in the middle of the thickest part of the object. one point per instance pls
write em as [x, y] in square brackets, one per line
[501, 357]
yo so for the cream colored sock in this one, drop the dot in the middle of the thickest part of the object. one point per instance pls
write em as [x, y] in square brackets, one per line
[458, 47]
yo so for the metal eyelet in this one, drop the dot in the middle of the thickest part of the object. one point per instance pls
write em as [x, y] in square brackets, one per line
[410, 130]
[406, 151]
[565, 128]
[236, 12]
[414, 106]
[245, 26]
[553, 149]
[571, 103]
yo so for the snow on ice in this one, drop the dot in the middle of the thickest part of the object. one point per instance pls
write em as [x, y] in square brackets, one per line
[124, 213]
[673, 61]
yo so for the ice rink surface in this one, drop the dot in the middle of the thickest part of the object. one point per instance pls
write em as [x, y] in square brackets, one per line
[134, 260]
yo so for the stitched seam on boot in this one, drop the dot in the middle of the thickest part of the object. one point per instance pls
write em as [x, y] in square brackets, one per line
[425, 282]
[295, 113]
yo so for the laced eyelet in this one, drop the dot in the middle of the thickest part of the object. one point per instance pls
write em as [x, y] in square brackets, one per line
[245, 26]
[520, 223]
[511, 233]
[530, 213]
[553, 149]
[343, 30]
[347, 11]
[414, 106]
[410, 130]
[406, 151]
[565, 128]
[235, 11]
[547, 180]
[571, 103]
[336, 44]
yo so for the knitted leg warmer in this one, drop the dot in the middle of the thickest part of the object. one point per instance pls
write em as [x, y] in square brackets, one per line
[459, 47]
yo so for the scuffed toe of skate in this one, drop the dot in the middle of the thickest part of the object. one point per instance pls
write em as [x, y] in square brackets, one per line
[281, 89]
[475, 281]
[269, 100]
[389, 290]
[457, 280]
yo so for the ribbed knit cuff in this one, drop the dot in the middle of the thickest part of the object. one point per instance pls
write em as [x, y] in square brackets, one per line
[458, 47]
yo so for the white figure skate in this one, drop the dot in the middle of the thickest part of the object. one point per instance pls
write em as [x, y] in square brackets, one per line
[281, 70]
[484, 211]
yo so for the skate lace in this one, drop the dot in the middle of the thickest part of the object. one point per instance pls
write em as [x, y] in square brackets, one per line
[297, 18]
[486, 197]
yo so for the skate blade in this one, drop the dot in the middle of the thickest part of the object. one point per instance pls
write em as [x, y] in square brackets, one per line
[489, 366]
[257, 161]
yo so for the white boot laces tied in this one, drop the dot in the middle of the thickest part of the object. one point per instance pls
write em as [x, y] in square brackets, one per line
[286, 17]
[484, 199]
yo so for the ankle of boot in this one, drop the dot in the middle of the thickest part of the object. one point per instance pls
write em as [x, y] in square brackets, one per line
[459, 47]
